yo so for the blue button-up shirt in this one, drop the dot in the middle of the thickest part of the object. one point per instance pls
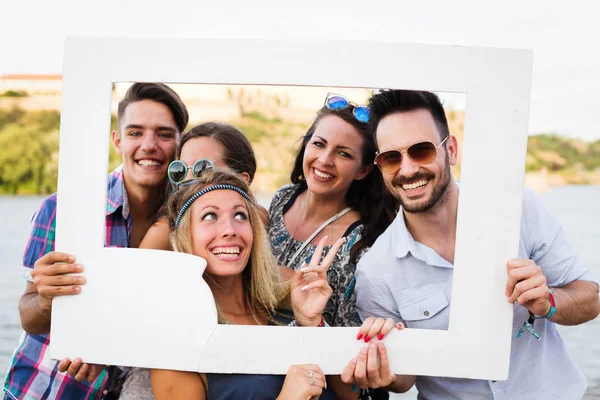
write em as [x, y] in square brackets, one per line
[403, 279]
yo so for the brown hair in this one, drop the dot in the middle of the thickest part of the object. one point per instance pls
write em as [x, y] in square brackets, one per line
[160, 93]
[369, 196]
[238, 152]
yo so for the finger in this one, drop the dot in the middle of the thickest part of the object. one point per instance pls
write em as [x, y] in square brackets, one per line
[321, 283]
[400, 326]
[314, 391]
[54, 257]
[319, 382]
[61, 269]
[81, 374]
[375, 329]
[53, 291]
[511, 266]
[64, 280]
[316, 257]
[63, 365]
[95, 370]
[521, 274]
[528, 284]
[332, 253]
[384, 361]
[360, 374]
[74, 367]
[365, 327]
[537, 294]
[348, 372]
[387, 328]
[372, 367]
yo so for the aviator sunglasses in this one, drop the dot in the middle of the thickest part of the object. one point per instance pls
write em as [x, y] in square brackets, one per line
[423, 153]
[336, 102]
[178, 170]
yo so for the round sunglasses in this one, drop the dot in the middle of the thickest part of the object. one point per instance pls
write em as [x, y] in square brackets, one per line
[336, 102]
[178, 170]
[423, 153]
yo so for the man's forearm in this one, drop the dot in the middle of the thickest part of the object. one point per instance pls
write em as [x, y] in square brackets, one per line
[576, 303]
[35, 315]
[402, 384]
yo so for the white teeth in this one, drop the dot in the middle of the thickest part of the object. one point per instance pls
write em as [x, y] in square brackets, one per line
[226, 250]
[322, 174]
[148, 163]
[415, 185]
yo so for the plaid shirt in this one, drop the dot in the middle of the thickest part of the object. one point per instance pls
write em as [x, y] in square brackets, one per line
[32, 374]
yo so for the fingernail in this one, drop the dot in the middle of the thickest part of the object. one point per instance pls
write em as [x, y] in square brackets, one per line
[399, 325]
[359, 336]
[367, 338]
[364, 350]
[79, 267]
[304, 268]
[509, 299]
[304, 288]
[372, 345]
[380, 336]
[80, 279]
[70, 258]
[77, 289]
[353, 361]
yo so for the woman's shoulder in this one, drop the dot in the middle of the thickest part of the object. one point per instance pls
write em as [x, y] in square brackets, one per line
[282, 196]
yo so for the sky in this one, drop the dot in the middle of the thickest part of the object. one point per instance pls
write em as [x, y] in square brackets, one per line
[564, 37]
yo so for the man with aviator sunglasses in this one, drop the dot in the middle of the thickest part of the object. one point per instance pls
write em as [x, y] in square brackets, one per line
[410, 266]
[151, 118]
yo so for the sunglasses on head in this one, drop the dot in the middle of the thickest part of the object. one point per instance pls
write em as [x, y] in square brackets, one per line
[336, 102]
[423, 153]
[178, 170]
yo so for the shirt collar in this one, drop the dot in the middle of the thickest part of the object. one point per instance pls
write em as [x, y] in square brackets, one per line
[117, 195]
[404, 244]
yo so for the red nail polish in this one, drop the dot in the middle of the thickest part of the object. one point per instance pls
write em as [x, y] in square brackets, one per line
[367, 338]
[359, 336]
[380, 336]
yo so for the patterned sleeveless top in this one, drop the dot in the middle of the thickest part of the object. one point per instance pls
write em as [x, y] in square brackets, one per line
[341, 308]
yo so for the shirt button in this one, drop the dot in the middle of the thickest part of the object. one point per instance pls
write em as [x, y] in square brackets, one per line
[426, 313]
[105, 392]
[493, 381]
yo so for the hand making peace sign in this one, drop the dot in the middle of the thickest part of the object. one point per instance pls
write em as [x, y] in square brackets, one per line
[310, 290]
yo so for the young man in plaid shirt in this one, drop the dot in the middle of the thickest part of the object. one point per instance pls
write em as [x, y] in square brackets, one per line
[151, 120]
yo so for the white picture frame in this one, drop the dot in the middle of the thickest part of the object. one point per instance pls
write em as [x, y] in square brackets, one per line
[152, 309]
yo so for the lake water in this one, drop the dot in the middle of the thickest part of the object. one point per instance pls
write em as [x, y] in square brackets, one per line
[576, 207]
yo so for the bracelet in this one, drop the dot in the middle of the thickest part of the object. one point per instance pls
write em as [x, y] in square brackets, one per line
[552, 307]
[321, 324]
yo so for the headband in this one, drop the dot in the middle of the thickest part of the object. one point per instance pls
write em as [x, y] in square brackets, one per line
[206, 190]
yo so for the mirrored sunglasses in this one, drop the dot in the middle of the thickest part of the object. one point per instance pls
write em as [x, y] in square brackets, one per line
[337, 102]
[178, 170]
[423, 153]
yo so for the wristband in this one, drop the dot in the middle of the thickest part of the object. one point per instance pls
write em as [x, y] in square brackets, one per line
[552, 307]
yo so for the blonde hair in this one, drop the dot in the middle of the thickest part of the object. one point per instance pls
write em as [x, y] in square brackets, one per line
[263, 288]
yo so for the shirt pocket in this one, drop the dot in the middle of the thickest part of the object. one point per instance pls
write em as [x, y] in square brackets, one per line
[420, 312]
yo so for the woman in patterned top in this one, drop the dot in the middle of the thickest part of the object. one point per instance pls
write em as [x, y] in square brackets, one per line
[216, 218]
[333, 171]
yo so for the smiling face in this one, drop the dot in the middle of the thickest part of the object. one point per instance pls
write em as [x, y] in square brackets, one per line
[418, 187]
[221, 232]
[147, 141]
[333, 157]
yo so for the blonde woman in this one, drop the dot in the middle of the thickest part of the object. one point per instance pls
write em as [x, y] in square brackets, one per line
[216, 218]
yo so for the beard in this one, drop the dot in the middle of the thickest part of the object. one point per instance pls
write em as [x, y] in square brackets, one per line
[438, 193]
